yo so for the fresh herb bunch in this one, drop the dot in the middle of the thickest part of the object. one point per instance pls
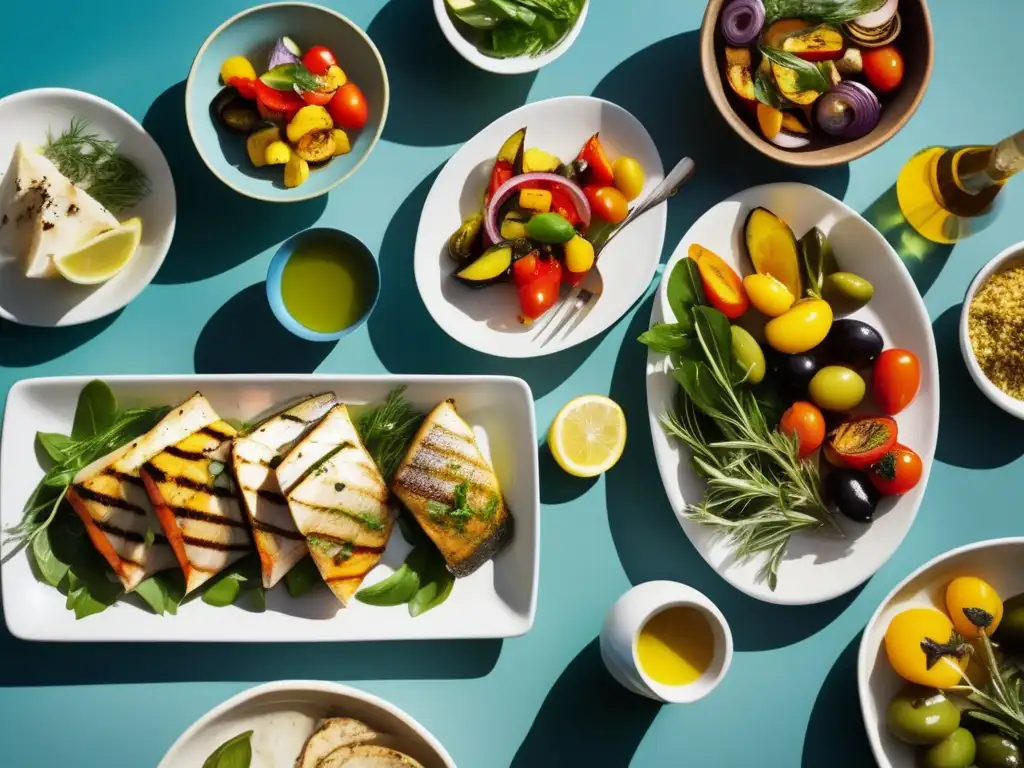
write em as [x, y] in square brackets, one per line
[759, 491]
[830, 11]
[388, 430]
[94, 164]
[508, 28]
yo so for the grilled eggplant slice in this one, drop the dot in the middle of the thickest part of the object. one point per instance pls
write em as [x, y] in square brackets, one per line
[339, 502]
[332, 734]
[451, 489]
[279, 544]
[492, 266]
[368, 756]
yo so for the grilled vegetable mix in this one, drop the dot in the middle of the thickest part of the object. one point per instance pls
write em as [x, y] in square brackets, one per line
[754, 418]
[812, 72]
[507, 28]
[962, 706]
[543, 221]
[299, 113]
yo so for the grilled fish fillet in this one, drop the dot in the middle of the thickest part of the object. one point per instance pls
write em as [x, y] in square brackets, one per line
[339, 502]
[278, 542]
[448, 485]
[332, 734]
[195, 501]
[110, 498]
[368, 756]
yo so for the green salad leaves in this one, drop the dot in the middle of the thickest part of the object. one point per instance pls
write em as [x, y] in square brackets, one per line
[509, 28]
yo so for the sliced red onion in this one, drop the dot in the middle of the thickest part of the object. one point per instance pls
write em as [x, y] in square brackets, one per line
[788, 140]
[510, 187]
[741, 21]
[880, 17]
[850, 110]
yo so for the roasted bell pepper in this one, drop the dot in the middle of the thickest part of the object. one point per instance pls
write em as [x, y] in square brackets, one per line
[563, 205]
[599, 168]
[502, 172]
[722, 285]
[285, 103]
[246, 87]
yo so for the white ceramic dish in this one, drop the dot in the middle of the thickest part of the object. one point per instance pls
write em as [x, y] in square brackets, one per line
[27, 116]
[997, 561]
[821, 566]
[486, 319]
[282, 715]
[517, 65]
[499, 600]
[629, 615]
[1008, 259]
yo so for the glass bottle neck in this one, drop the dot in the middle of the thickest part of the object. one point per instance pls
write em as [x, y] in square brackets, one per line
[979, 168]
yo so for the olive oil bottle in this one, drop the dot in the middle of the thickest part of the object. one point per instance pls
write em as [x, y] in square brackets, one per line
[949, 193]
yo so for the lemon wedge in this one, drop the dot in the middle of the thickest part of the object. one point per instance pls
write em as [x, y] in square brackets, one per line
[588, 435]
[99, 259]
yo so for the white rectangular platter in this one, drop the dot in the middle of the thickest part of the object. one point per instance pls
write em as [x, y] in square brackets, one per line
[498, 600]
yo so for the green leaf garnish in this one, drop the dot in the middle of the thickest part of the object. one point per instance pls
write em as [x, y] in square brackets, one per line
[808, 76]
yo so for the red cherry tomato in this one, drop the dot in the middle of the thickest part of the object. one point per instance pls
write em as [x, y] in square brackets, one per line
[539, 295]
[896, 380]
[805, 422]
[897, 472]
[348, 107]
[318, 60]
[318, 98]
[524, 269]
[883, 68]
[283, 102]
[722, 285]
[607, 203]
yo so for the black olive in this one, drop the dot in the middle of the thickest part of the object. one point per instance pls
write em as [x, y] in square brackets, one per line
[793, 373]
[850, 492]
[235, 113]
[852, 343]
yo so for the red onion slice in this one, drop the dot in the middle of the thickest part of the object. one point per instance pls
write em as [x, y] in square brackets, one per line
[510, 187]
[880, 17]
[741, 21]
[850, 110]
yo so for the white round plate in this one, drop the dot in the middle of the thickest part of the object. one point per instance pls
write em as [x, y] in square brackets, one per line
[486, 319]
[819, 566]
[997, 561]
[28, 116]
[282, 715]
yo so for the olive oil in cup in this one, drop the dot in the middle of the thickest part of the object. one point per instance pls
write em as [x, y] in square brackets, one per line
[322, 284]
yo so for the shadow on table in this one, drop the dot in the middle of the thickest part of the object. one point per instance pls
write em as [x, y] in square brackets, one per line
[217, 228]
[406, 338]
[688, 123]
[973, 432]
[556, 485]
[835, 735]
[586, 719]
[24, 345]
[243, 336]
[437, 97]
[651, 544]
[923, 258]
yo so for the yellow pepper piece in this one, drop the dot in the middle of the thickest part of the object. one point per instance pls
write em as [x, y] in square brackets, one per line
[579, 254]
[335, 77]
[237, 66]
[277, 153]
[536, 200]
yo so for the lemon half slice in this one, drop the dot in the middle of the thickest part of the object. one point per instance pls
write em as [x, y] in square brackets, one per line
[588, 435]
[99, 259]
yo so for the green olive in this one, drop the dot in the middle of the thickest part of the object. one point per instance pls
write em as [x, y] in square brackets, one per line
[836, 388]
[1011, 628]
[850, 290]
[922, 716]
[955, 751]
[996, 751]
[748, 355]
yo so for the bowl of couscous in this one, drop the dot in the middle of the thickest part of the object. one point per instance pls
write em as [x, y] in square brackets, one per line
[992, 330]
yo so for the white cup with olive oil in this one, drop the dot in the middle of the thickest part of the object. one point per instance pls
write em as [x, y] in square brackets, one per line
[666, 641]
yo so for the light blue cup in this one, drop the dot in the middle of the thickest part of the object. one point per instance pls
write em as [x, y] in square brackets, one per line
[319, 235]
[252, 34]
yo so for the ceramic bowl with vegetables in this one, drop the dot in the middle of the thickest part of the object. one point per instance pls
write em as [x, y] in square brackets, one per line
[286, 101]
[511, 37]
[939, 666]
[815, 83]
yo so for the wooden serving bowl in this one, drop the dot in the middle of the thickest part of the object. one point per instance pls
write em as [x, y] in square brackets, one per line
[916, 43]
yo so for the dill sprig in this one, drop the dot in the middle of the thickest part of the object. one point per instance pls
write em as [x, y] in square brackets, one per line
[387, 430]
[93, 164]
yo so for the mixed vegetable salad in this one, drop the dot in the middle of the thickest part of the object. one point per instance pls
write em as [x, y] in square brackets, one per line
[544, 221]
[789, 439]
[806, 69]
[296, 114]
[962, 706]
[508, 28]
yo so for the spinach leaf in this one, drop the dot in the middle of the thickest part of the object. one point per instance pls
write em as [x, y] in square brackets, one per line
[437, 582]
[303, 578]
[88, 596]
[48, 567]
[808, 76]
[163, 592]
[557, 9]
[96, 410]
[667, 337]
[55, 445]
[511, 40]
[714, 331]
[398, 588]
[90, 584]
[233, 753]
[242, 577]
[514, 11]
[685, 290]
[224, 591]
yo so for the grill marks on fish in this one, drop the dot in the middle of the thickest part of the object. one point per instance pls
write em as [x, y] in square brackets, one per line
[113, 530]
[274, 497]
[186, 455]
[107, 500]
[275, 531]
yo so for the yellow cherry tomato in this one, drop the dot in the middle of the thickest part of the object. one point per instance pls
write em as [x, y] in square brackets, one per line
[579, 254]
[768, 295]
[969, 592]
[237, 66]
[629, 177]
[903, 639]
[800, 329]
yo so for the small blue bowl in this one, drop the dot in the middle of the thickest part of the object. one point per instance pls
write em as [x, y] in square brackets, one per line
[320, 235]
[252, 34]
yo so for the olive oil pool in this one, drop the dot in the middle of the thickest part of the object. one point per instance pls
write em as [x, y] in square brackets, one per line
[676, 646]
[325, 286]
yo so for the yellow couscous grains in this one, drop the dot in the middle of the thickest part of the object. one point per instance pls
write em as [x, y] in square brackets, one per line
[995, 326]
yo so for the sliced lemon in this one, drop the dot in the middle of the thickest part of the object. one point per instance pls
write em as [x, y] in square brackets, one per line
[99, 259]
[588, 435]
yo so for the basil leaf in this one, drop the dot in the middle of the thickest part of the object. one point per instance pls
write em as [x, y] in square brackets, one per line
[808, 76]
[163, 592]
[685, 290]
[90, 595]
[285, 77]
[765, 90]
[48, 566]
[700, 386]
[834, 11]
[233, 753]
[55, 445]
[667, 337]
[396, 589]
[224, 591]
[303, 578]
[96, 410]
[436, 587]
[818, 261]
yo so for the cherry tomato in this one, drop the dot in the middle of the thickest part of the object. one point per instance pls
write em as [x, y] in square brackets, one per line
[607, 203]
[524, 269]
[283, 102]
[563, 205]
[966, 592]
[539, 295]
[897, 378]
[897, 472]
[722, 285]
[883, 68]
[317, 98]
[348, 107]
[805, 422]
[318, 60]
[246, 87]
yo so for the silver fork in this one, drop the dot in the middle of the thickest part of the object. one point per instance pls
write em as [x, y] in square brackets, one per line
[570, 308]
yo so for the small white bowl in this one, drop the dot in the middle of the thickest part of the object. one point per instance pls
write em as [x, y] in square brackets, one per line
[1011, 257]
[628, 617]
[519, 65]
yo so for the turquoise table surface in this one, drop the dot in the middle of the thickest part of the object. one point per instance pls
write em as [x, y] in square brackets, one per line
[544, 699]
